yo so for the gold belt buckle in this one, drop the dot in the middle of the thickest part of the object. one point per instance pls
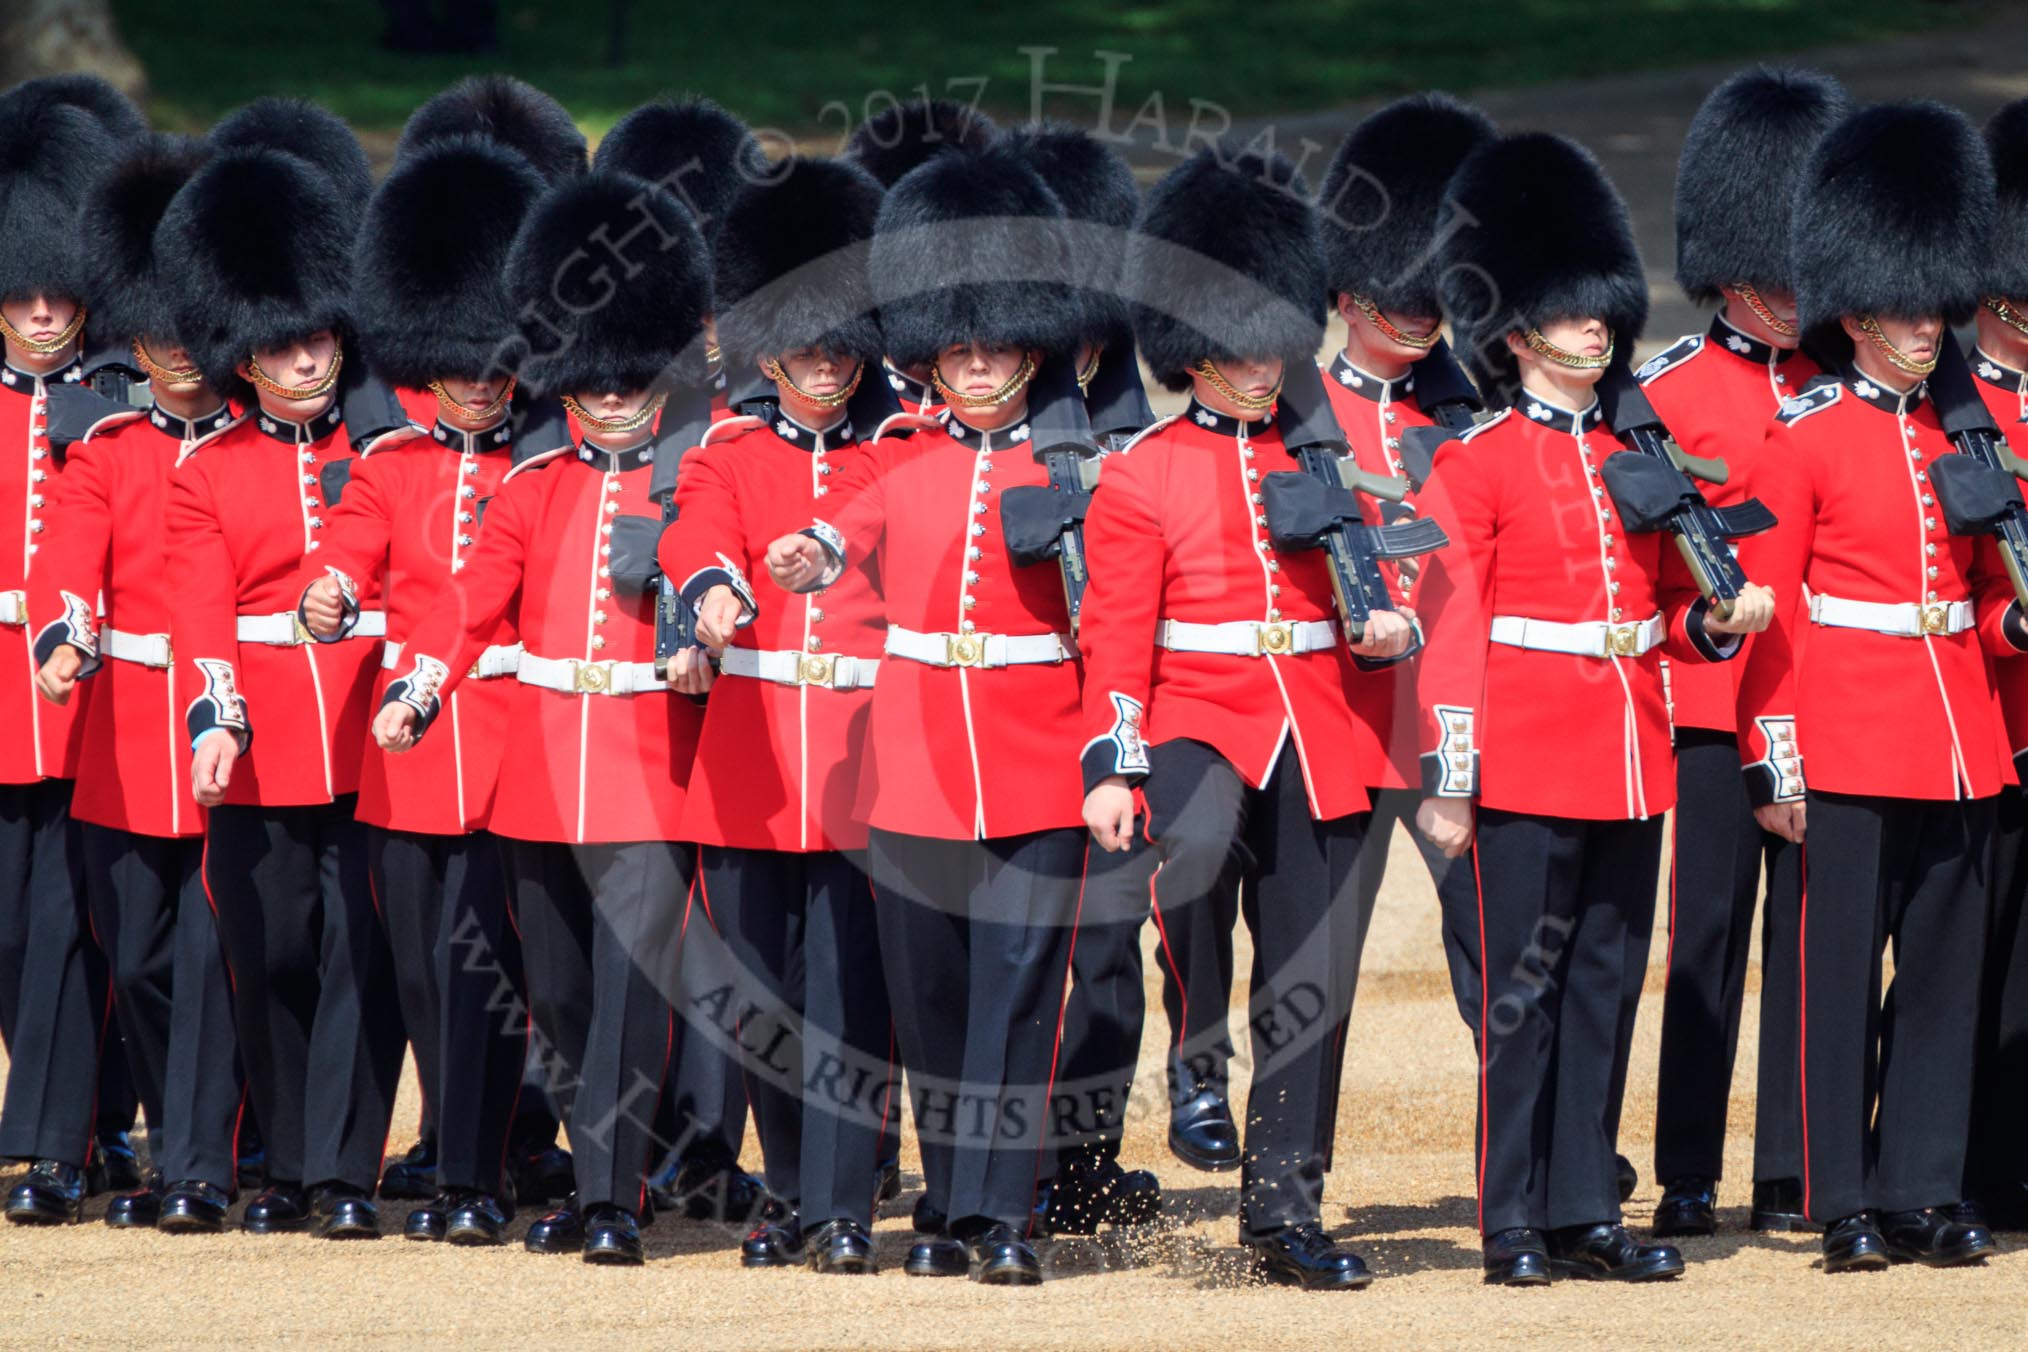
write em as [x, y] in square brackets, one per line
[818, 669]
[299, 635]
[1278, 638]
[1935, 619]
[590, 678]
[964, 650]
[1624, 640]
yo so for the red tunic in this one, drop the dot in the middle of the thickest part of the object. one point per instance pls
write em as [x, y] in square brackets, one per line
[2005, 391]
[408, 518]
[777, 765]
[578, 767]
[1716, 392]
[1177, 533]
[1866, 712]
[959, 752]
[1534, 535]
[111, 549]
[43, 739]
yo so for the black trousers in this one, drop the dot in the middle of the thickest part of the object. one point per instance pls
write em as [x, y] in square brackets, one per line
[313, 986]
[601, 932]
[457, 971]
[1297, 894]
[975, 938]
[1999, 1144]
[700, 1122]
[796, 936]
[1559, 899]
[1457, 891]
[53, 981]
[1714, 883]
[172, 999]
[1106, 1007]
[1887, 1079]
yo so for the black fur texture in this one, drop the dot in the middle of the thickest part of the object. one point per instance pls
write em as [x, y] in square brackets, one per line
[504, 109]
[130, 292]
[1100, 200]
[2007, 142]
[50, 149]
[1227, 261]
[901, 136]
[1736, 180]
[791, 263]
[97, 96]
[689, 147]
[1382, 199]
[260, 245]
[1552, 241]
[1894, 217]
[429, 298]
[611, 282]
[971, 248]
[309, 132]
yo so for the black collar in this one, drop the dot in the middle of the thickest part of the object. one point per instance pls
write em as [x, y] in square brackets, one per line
[190, 429]
[606, 462]
[295, 433]
[1537, 409]
[1224, 424]
[1994, 373]
[1878, 395]
[804, 437]
[14, 378]
[999, 439]
[918, 392]
[1728, 338]
[473, 443]
[1369, 386]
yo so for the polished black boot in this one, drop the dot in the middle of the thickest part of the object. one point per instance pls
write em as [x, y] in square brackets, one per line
[702, 1190]
[477, 1220]
[139, 1209]
[1854, 1244]
[53, 1193]
[1778, 1206]
[1626, 1176]
[1933, 1239]
[999, 1257]
[937, 1255]
[278, 1207]
[561, 1231]
[115, 1167]
[1516, 1257]
[428, 1221]
[612, 1238]
[1607, 1252]
[927, 1218]
[839, 1248]
[542, 1174]
[887, 1181]
[1689, 1207]
[194, 1207]
[345, 1212]
[1202, 1134]
[1304, 1255]
[1085, 1194]
[413, 1177]
[777, 1241]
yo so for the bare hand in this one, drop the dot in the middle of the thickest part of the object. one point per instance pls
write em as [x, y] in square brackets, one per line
[58, 676]
[1447, 824]
[718, 616]
[323, 607]
[1782, 819]
[795, 562]
[1387, 634]
[691, 672]
[1752, 612]
[211, 767]
[394, 728]
[1109, 812]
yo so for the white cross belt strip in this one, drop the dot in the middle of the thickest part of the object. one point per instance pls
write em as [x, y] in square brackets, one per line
[1905, 619]
[1247, 638]
[794, 668]
[1591, 638]
[979, 650]
[502, 659]
[148, 650]
[282, 631]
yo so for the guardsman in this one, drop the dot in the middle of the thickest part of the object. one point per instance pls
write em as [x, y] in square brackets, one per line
[53, 143]
[592, 781]
[1545, 737]
[1716, 391]
[1997, 1168]
[1887, 621]
[142, 831]
[970, 789]
[1217, 676]
[260, 240]
[433, 316]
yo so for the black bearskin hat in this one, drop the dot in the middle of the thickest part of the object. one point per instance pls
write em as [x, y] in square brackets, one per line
[2007, 141]
[97, 96]
[971, 248]
[1550, 240]
[309, 132]
[691, 148]
[1226, 262]
[1382, 200]
[503, 109]
[132, 296]
[1736, 181]
[903, 135]
[1895, 217]
[51, 149]
[260, 246]
[428, 296]
[1100, 200]
[791, 263]
[611, 282]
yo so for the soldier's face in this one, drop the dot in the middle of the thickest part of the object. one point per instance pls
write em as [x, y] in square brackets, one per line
[171, 355]
[302, 364]
[476, 398]
[1254, 377]
[39, 318]
[815, 371]
[1372, 349]
[978, 369]
[1917, 338]
[614, 406]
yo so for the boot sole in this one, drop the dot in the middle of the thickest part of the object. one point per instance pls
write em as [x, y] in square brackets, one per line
[473, 1237]
[1209, 1164]
[189, 1225]
[1353, 1281]
[1783, 1222]
[37, 1216]
[614, 1258]
[1585, 1273]
[1011, 1274]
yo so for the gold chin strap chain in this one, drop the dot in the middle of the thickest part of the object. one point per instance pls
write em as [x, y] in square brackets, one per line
[167, 375]
[1900, 360]
[318, 391]
[1388, 330]
[2005, 312]
[1015, 384]
[1774, 322]
[473, 415]
[633, 422]
[1252, 403]
[1564, 357]
[1090, 371]
[774, 370]
[46, 347]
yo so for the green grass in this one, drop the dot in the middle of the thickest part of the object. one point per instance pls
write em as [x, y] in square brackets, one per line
[808, 67]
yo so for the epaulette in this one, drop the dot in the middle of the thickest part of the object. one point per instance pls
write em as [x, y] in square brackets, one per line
[1493, 421]
[1813, 400]
[1669, 359]
[1150, 429]
[736, 425]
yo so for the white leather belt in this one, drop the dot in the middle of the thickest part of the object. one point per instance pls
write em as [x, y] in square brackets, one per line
[978, 650]
[282, 631]
[1592, 638]
[792, 668]
[1905, 619]
[572, 677]
[150, 650]
[1247, 638]
[13, 607]
[502, 659]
